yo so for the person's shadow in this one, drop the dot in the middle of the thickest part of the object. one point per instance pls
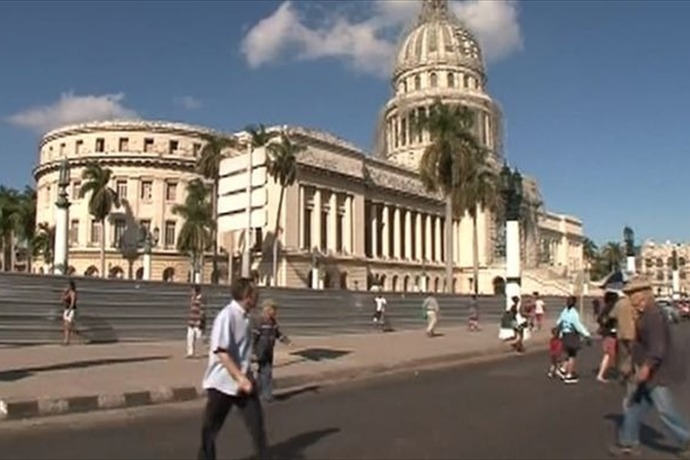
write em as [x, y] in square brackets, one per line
[294, 448]
[649, 436]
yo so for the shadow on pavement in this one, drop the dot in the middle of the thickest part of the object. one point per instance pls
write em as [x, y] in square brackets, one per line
[294, 447]
[284, 396]
[649, 436]
[13, 375]
[320, 354]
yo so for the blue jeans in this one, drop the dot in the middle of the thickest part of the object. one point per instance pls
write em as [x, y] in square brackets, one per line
[266, 380]
[639, 403]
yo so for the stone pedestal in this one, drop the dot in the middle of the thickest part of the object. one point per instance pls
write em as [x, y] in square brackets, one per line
[675, 284]
[513, 270]
[630, 264]
[147, 266]
[60, 257]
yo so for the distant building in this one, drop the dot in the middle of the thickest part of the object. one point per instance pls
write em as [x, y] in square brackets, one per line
[656, 262]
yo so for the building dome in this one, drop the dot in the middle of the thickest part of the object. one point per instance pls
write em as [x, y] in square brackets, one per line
[438, 38]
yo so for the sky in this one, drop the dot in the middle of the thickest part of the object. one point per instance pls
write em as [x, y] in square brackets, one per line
[595, 95]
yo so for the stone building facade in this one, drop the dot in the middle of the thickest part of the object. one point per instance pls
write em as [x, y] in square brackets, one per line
[656, 262]
[352, 220]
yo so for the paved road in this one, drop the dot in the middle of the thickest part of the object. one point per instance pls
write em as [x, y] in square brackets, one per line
[496, 410]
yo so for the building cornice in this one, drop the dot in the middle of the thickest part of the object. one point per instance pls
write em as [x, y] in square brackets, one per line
[175, 164]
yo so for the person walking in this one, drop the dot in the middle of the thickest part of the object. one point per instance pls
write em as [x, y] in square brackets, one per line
[660, 364]
[266, 333]
[607, 330]
[539, 310]
[431, 312]
[380, 310]
[572, 332]
[69, 313]
[626, 319]
[195, 321]
[228, 380]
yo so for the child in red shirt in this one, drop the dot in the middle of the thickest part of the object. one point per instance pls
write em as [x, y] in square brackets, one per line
[555, 352]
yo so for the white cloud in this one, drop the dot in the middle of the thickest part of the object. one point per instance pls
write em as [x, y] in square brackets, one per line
[188, 102]
[71, 108]
[368, 45]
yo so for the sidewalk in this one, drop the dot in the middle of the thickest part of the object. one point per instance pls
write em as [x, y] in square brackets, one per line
[51, 379]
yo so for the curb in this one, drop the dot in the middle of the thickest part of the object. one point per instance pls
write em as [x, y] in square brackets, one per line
[33, 408]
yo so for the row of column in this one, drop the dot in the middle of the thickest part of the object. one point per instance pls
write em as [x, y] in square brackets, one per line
[416, 235]
[338, 221]
[400, 129]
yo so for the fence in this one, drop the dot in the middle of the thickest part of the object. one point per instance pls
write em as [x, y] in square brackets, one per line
[126, 310]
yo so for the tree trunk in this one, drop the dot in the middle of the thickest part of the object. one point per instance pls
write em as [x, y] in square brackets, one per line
[275, 236]
[214, 232]
[449, 244]
[475, 251]
[103, 275]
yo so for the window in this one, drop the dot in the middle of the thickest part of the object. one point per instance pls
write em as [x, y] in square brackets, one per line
[76, 190]
[62, 149]
[434, 80]
[405, 86]
[78, 146]
[74, 232]
[121, 189]
[306, 229]
[169, 233]
[95, 233]
[258, 239]
[417, 82]
[119, 231]
[48, 195]
[146, 190]
[100, 144]
[124, 144]
[196, 149]
[173, 146]
[451, 80]
[148, 145]
[171, 191]
[324, 229]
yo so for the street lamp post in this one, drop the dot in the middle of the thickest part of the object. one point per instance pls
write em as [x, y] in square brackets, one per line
[150, 240]
[629, 239]
[675, 275]
[60, 258]
[511, 190]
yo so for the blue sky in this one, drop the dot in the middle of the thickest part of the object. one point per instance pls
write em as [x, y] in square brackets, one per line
[595, 95]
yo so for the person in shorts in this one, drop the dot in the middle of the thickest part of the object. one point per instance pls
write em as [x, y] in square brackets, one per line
[607, 330]
[555, 353]
[69, 301]
[571, 333]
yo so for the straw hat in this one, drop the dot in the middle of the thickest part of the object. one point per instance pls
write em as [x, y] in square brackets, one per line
[636, 284]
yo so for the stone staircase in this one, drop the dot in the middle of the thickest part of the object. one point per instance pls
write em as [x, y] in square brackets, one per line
[545, 281]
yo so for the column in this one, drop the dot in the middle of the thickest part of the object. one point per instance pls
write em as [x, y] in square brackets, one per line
[418, 238]
[316, 221]
[408, 235]
[386, 231]
[302, 206]
[374, 230]
[456, 242]
[429, 238]
[396, 233]
[332, 220]
[438, 234]
[347, 224]
[147, 265]
[60, 262]
[513, 271]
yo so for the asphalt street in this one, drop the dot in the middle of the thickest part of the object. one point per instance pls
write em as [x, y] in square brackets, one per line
[502, 410]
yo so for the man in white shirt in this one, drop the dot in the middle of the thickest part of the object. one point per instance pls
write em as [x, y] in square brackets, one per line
[228, 379]
[380, 302]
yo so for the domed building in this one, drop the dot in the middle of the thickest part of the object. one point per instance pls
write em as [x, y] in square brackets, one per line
[352, 220]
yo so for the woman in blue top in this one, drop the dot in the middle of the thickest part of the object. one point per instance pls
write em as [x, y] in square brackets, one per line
[571, 329]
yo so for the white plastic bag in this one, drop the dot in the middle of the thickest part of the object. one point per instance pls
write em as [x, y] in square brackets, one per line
[506, 334]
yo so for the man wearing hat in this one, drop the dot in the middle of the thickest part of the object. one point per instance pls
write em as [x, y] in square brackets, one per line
[658, 366]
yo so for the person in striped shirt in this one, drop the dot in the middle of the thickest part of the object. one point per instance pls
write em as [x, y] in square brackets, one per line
[195, 321]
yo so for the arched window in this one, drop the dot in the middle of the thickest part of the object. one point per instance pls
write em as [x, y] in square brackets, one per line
[417, 82]
[434, 80]
[451, 80]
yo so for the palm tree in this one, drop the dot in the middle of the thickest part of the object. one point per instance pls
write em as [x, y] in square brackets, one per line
[612, 254]
[209, 167]
[9, 199]
[195, 235]
[480, 193]
[447, 164]
[43, 243]
[282, 166]
[102, 200]
[589, 250]
[25, 221]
